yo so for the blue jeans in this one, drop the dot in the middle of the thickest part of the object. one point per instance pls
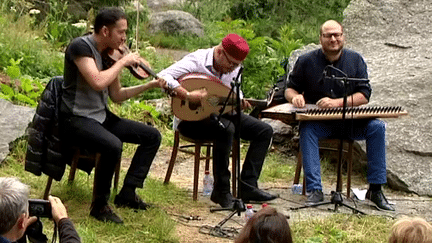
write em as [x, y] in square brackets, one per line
[373, 131]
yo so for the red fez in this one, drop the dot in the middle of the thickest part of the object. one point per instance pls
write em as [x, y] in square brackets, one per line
[235, 46]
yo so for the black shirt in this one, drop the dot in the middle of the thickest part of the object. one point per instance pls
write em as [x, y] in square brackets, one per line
[312, 75]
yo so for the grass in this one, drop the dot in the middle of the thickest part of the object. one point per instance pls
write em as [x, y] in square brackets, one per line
[154, 225]
[342, 228]
[159, 225]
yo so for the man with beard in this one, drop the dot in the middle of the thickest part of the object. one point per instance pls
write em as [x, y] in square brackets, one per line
[308, 85]
[222, 63]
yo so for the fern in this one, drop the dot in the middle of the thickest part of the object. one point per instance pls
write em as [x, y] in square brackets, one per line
[6, 90]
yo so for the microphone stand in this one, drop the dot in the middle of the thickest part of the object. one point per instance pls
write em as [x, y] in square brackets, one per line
[336, 198]
[238, 205]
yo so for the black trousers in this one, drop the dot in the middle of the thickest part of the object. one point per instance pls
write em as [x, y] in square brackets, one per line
[107, 138]
[257, 132]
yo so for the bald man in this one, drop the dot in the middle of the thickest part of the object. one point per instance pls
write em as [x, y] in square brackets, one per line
[307, 85]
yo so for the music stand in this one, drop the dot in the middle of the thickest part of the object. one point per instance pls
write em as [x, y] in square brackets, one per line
[336, 198]
[238, 205]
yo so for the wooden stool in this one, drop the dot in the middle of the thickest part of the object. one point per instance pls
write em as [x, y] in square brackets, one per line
[77, 155]
[197, 144]
[349, 167]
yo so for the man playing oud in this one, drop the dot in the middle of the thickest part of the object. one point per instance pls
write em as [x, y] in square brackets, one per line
[223, 62]
[307, 84]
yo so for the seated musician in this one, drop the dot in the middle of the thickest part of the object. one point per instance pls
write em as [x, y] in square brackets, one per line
[87, 122]
[307, 84]
[223, 62]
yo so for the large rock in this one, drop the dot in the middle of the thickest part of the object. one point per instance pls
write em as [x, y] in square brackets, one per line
[175, 22]
[14, 121]
[395, 38]
[161, 5]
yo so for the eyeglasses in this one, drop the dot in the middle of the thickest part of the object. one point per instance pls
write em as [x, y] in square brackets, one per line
[329, 35]
[230, 62]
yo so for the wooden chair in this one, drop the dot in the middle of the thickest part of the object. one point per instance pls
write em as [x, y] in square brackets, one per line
[349, 166]
[78, 155]
[196, 144]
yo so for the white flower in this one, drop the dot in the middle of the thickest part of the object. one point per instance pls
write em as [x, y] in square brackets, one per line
[34, 11]
[80, 25]
[151, 48]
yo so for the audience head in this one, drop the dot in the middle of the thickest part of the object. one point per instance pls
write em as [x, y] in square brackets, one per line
[14, 215]
[412, 230]
[267, 225]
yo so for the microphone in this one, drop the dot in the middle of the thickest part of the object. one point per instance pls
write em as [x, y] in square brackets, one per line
[324, 76]
[239, 73]
[214, 117]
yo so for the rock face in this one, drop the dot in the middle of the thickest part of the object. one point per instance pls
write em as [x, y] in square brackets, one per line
[395, 38]
[174, 21]
[14, 120]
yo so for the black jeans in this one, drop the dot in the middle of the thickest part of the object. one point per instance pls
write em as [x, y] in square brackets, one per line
[107, 139]
[257, 132]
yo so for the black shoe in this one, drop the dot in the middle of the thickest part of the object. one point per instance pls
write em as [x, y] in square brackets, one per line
[314, 197]
[379, 199]
[256, 195]
[225, 199]
[105, 214]
[136, 203]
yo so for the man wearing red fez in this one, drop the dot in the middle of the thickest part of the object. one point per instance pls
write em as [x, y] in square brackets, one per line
[222, 63]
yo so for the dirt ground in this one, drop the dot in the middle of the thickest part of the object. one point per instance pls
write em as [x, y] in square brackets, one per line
[189, 229]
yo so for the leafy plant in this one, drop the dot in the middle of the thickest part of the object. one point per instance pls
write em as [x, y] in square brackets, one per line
[207, 10]
[37, 58]
[24, 90]
[58, 28]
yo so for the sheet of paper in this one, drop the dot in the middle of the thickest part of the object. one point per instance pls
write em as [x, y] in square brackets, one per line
[360, 194]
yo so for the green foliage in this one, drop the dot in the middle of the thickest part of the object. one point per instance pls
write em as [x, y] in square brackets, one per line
[263, 64]
[58, 28]
[15, 7]
[270, 15]
[140, 111]
[36, 57]
[24, 90]
[207, 10]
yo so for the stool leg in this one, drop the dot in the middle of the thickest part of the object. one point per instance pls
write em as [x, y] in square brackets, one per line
[173, 157]
[48, 188]
[350, 161]
[208, 156]
[74, 165]
[196, 170]
[298, 172]
[298, 168]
